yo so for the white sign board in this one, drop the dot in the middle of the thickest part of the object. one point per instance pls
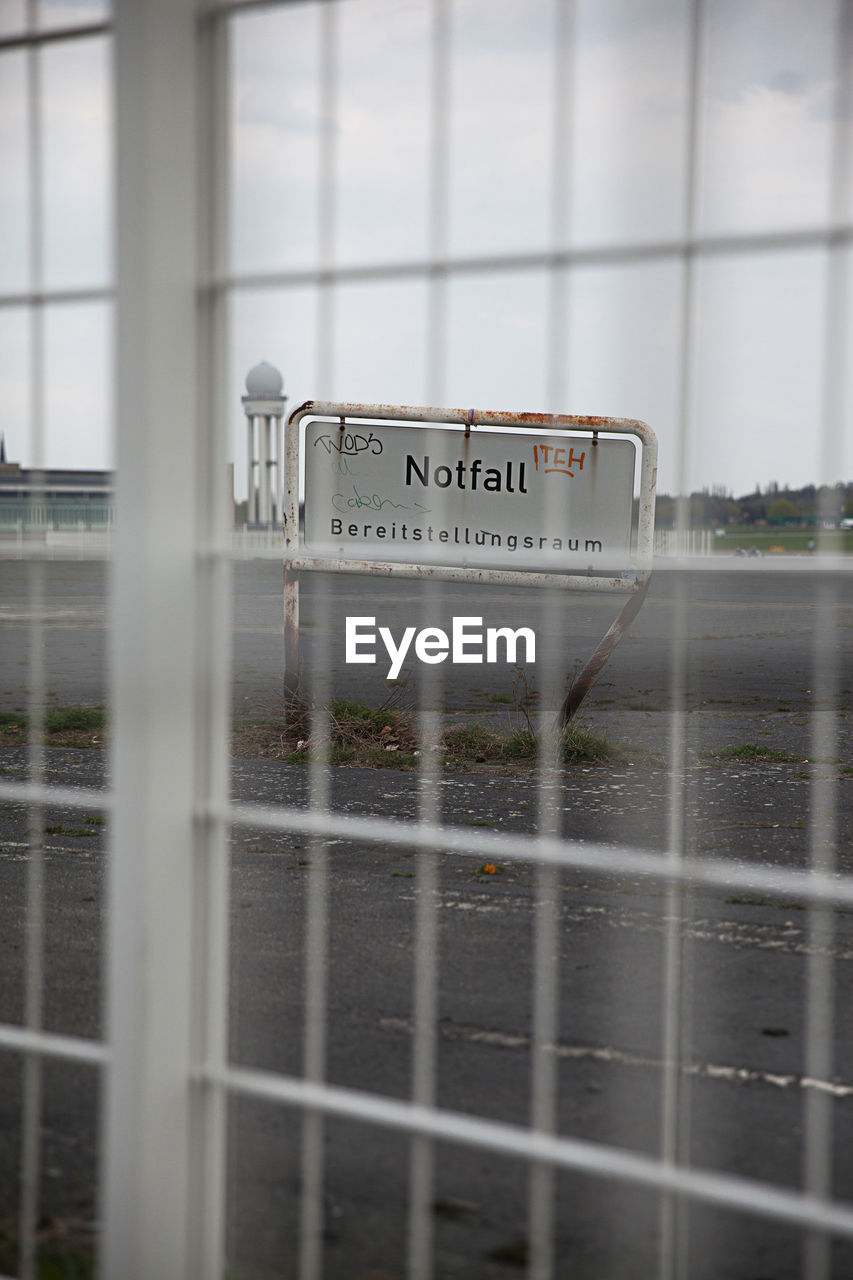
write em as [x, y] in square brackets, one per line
[482, 499]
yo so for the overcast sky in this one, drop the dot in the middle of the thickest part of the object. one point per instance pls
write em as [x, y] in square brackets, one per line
[764, 164]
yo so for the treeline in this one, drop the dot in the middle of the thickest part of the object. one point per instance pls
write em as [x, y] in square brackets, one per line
[809, 506]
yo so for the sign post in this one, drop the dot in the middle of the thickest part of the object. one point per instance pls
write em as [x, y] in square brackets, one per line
[465, 495]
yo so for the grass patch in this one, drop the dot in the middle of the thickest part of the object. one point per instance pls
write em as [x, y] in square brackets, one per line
[366, 737]
[472, 742]
[520, 745]
[476, 743]
[641, 704]
[359, 736]
[366, 757]
[786, 538]
[754, 900]
[65, 1250]
[63, 726]
[755, 753]
[60, 829]
[356, 720]
[75, 720]
[583, 746]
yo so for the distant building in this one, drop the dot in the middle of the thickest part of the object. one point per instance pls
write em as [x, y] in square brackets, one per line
[36, 500]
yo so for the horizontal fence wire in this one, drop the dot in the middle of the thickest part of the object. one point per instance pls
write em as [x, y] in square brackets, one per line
[628, 253]
[743, 1195]
[815, 886]
[49, 1044]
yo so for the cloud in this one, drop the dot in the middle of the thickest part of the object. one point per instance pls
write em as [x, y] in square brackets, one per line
[766, 161]
[75, 146]
[767, 96]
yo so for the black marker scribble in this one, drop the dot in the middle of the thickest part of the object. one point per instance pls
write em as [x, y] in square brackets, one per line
[373, 502]
[350, 443]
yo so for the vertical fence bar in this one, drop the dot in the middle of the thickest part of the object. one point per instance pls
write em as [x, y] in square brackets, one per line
[420, 1239]
[823, 824]
[316, 927]
[439, 186]
[562, 92]
[153, 633]
[425, 980]
[316, 960]
[676, 978]
[820, 968]
[212, 691]
[545, 992]
[327, 198]
[34, 971]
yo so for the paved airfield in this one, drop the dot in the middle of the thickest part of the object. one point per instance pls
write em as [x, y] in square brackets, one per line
[749, 640]
[743, 959]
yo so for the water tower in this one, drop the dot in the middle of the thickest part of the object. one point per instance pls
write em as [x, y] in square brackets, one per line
[264, 408]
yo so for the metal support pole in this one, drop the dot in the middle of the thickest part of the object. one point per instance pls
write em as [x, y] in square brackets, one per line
[595, 664]
[290, 521]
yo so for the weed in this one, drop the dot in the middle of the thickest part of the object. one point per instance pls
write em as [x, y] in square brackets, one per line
[368, 757]
[472, 742]
[95, 819]
[756, 753]
[383, 737]
[754, 900]
[73, 725]
[60, 829]
[524, 697]
[65, 1266]
[354, 719]
[641, 704]
[583, 746]
[81, 719]
[520, 745]
[65, 1251]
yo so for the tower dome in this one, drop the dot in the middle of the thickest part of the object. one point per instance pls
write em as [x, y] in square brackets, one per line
[264, 381]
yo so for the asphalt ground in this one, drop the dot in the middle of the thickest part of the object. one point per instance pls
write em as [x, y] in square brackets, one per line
[743, 1087]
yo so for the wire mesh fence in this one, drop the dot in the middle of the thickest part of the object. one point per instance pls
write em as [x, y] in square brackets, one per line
[312, 973]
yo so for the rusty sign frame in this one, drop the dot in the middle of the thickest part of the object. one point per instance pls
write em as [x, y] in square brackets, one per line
[634, 579]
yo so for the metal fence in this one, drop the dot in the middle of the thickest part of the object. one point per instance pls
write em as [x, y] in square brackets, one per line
[174, 1094]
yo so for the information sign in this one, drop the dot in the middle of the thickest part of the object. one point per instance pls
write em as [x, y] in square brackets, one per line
[446, 495]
